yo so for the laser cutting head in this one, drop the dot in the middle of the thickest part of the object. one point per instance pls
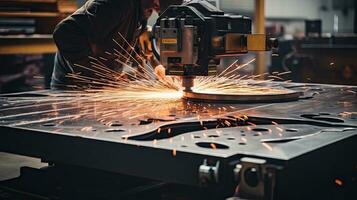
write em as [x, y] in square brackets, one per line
[194, 36]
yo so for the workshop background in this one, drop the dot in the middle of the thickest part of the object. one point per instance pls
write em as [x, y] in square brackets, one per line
[317, 40]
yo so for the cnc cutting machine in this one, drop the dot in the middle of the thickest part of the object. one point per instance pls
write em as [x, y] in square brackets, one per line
[98, 146]
[194, 36]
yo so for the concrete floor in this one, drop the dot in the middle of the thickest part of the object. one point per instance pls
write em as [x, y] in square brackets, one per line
[10, 165]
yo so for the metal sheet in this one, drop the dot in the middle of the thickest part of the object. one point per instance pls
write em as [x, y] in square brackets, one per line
[168, 139]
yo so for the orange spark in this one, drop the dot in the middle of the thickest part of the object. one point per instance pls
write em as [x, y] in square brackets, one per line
[213, 146]
[267, 146]
[86, 129]
[279, 129]
[351, 91]
[338, 182]
[252, 124]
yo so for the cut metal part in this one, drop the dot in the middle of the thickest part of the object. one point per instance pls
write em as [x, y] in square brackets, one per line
[286, 95]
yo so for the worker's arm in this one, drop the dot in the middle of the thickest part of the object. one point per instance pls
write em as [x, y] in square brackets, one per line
[147, 52]
[71, 41]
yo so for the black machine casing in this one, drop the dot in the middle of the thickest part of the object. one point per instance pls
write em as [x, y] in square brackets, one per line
[193, 36]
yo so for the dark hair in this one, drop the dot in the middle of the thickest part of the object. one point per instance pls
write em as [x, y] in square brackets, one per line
[164, 4]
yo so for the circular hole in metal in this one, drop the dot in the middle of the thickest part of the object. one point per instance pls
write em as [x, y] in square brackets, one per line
[242, 131]
[322, 118]
[115, 124]
[113, 130]
[243, 134]
[291, 130]
[309, 115]
[49, 124]
[329, 119]
[242, 143]
[260, 129]
[256, 134]
[213, 136]
[212, 145]
[322, 113]
[196, 136]
[184, 146]
[231, 138]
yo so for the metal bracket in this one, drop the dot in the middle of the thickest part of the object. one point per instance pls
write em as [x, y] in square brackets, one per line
[237, 171]
[256, 178]
[208, 174]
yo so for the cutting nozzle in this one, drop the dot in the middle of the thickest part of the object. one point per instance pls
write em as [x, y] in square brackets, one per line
[187, 83]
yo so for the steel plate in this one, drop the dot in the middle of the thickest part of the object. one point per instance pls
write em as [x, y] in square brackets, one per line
[168, 139]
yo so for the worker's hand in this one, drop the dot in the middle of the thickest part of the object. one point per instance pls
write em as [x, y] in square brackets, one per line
[160, 72]
[168, 81]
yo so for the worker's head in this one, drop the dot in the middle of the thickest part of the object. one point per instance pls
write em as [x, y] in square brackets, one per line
[149, 6]
[157, 5]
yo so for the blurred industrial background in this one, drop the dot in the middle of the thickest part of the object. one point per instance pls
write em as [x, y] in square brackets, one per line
[317, 39]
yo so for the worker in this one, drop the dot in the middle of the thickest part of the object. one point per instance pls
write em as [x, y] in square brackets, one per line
[101, 29]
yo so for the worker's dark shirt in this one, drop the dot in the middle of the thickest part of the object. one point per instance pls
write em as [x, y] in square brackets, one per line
[89, 32]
